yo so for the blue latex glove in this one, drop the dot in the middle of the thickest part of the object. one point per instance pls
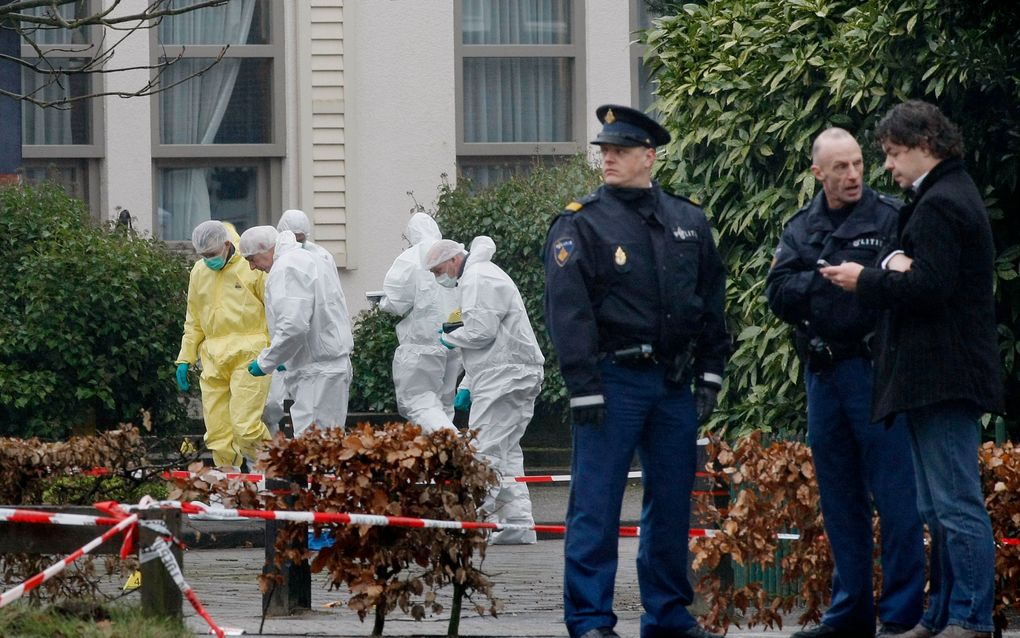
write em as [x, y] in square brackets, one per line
[462, 401]
[443, 341]
[182, 377]
[281, 368]
[254, 369]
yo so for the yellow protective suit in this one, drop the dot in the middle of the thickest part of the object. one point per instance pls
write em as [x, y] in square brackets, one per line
[225, 326]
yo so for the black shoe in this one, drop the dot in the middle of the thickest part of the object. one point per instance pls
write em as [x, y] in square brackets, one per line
[697, 631]
[892, 629]
[825, 631]
[600, 632]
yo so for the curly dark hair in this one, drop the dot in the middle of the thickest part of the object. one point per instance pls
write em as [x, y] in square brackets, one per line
[917, 123]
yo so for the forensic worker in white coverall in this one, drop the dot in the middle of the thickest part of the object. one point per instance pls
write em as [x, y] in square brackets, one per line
[298, 223]
[424, 371]
[504, 365]
[309, 330]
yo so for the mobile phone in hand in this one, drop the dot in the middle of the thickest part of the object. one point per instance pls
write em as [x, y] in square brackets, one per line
[822, 263]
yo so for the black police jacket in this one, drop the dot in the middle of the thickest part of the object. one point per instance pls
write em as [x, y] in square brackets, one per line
[626, 267]
[798, 293]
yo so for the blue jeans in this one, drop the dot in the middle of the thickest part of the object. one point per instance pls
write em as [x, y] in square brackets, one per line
[858, 463]
[655, 418]
[945, 439]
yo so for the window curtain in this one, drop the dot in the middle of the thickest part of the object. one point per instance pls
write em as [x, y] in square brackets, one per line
[53, 125]
[191, 112]
[525, 99]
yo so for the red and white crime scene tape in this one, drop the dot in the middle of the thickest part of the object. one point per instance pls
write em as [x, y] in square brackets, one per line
[251, 477]
[17, 592]
[127, 524]
[201, 511]
[33, 516]
[161, 549]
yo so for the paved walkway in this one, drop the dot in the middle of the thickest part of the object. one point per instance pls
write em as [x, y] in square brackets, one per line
[528, 579]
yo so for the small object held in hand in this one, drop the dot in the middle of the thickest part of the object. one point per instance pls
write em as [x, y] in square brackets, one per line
[450, 326]
[823, 264]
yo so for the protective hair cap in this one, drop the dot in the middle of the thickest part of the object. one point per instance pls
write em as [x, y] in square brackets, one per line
[441, 251]
[257, 239]
[209, 236]
[296, 222]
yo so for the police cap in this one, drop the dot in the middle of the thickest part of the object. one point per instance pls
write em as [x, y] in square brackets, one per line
[624, 126]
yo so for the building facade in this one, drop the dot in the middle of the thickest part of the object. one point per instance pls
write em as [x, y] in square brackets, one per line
[354, 111]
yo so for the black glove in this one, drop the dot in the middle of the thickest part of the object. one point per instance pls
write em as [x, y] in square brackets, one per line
[592, 410]
[704, 402]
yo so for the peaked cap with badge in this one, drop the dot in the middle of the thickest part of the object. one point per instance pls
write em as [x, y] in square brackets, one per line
[624, 126]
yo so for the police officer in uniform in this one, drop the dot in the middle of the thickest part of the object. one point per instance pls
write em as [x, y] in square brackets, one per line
[855, 460]
[634, 305]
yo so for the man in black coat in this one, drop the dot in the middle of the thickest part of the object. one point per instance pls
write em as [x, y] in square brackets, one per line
[859, 467]
[937, 357]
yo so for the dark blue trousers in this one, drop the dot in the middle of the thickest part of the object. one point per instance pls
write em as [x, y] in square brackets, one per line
[859, 463]
[656, 419]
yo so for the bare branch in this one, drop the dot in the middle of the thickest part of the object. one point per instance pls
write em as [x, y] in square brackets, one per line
[152, 87]
[157, 9]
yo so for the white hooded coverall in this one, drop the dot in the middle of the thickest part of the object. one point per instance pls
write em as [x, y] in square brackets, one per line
[424, 371]
[278, 392]
[504, 364]
[310, 333]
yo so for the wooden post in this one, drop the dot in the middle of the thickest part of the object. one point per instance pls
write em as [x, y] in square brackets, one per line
[295, 590]
[160, 595]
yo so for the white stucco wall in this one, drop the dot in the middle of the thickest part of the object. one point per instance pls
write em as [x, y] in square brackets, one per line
[607, 48]
[400, 126]
[126, 171]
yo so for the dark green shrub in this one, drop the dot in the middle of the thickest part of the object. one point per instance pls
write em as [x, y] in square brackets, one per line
[746, 86]
[517, 214]
[375, 339]
[92, 319]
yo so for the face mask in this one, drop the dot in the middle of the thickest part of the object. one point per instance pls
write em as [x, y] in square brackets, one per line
[215, 263]
[446, 281]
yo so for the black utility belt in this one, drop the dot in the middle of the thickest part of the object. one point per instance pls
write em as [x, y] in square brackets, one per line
[823, 355]
[643, 354]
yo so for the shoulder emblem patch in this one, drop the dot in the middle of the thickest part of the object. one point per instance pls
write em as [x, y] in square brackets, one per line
[562, 249]
[574, 206]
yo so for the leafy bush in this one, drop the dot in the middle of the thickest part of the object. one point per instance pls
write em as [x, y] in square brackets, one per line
[33, 472]
[516, 214]
[748, 85]
[774, 491]
[375, 339]
[394, 471]
[92, 319]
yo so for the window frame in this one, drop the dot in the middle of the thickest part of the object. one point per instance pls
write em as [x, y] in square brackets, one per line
[574, 51]
[637, 54]
[268, 187]
[69, 51]
[273, 51]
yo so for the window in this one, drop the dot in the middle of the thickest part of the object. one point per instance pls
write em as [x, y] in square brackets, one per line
[218, 127]
[59, 142]
[643, 80]
[519, 85]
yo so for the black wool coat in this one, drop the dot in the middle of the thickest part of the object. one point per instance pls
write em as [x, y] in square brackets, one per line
[937, 339]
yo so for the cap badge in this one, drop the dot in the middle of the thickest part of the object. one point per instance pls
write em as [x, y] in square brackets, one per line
[610, 117]
[620, 257]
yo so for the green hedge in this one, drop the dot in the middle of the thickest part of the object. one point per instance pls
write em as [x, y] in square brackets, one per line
[92, 319]
[747, 85]
[516, 214]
